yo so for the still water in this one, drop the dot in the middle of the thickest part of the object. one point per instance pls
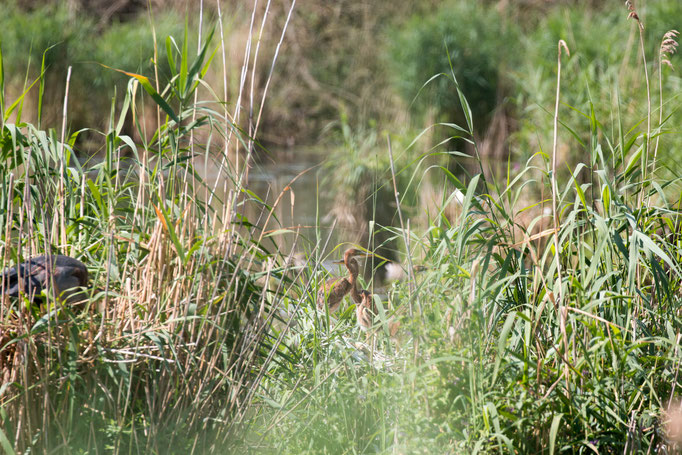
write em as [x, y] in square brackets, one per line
[294, 190]
[302, 204]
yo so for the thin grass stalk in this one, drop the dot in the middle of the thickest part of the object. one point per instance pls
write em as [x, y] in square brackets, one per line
[264, 323]
[242, 81]
[660, 111]
[252, 129]
[224, 156]
[645, 156]
[274, 60]
[194, 105]
[677, 366]
[277, 417]
[648, 98]
[61, 205]
[557, 297]
[27, 211]
[645, 163]
[667, 48]
[81, 213]
[189, 210]
[156, 67]
[7, 245]
[233, 195]
[231, 210]
[402, 225]
[226, 144]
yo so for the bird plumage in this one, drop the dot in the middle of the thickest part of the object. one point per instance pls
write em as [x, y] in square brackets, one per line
[59, 272]
[335, 289]
[365, 311]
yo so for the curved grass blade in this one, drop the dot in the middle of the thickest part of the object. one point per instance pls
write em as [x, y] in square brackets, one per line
[144, 81]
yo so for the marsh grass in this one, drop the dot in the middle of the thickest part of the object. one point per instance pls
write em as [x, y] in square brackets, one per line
[168, 348]
[529, 331]
[538, 331]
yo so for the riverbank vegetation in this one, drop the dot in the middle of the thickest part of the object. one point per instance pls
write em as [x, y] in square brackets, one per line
[530, 195]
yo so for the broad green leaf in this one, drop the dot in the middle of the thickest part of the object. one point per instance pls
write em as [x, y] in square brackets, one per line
[169, 55]
[634, 160]
[554, 429]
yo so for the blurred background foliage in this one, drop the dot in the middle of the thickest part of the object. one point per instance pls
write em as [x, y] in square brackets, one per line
[367, 62]
[74, 38]
[438, 44]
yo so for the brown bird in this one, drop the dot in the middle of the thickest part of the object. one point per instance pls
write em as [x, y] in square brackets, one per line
[365, 310]
[335, 289]
[366, 313]
[62, 274]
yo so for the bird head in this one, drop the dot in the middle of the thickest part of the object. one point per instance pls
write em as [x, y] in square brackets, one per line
[354, 252]
[366, 297]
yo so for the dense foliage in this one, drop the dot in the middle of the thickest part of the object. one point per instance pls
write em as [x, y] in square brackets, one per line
[540, 308]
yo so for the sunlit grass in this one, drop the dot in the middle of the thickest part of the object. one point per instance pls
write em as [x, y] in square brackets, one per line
[546, 317]
[163, 356]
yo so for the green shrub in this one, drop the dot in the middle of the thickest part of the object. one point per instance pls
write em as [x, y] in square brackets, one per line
[130, 46]
[26, 35]
[66, 41]
[479, 46]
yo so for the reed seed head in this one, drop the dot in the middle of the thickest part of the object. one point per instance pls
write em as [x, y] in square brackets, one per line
[668, 47]
[563, 44]
[633, 12]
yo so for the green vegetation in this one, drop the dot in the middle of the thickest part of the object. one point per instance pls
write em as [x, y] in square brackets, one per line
[546, 318]
[152, 362]
[47, 36]
[477, 53]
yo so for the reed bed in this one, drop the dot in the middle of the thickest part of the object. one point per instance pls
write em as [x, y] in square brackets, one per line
[541, 316]
[547, 319]
[164, 353]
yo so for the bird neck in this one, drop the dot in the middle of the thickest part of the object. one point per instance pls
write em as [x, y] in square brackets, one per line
[353, 269]
[355, 295]
[352, 266]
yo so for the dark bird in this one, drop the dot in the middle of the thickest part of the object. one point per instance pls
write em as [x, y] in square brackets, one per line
[63, 274]
[335, 289]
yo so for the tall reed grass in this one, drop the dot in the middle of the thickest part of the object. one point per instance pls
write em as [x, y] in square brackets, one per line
[546, 319]
[167, 351]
